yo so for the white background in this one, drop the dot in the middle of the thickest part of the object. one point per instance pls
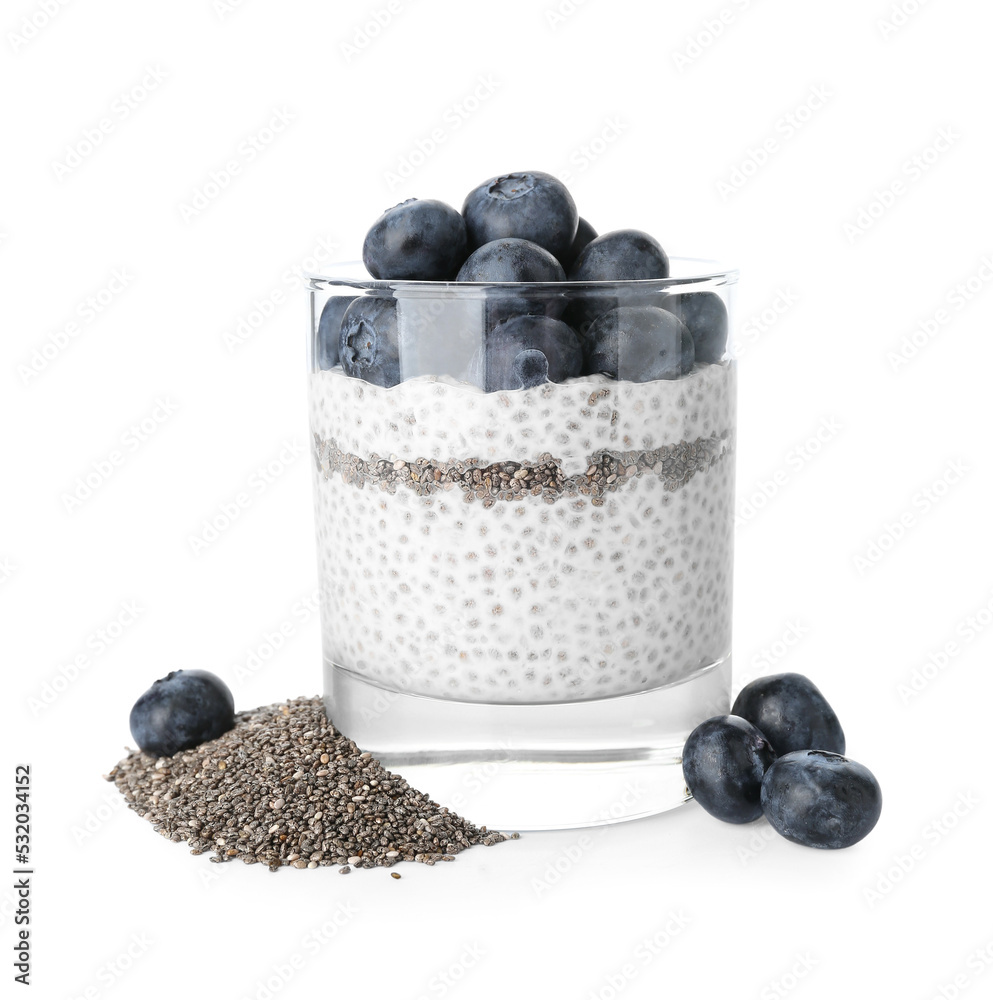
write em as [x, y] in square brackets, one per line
[648, 131]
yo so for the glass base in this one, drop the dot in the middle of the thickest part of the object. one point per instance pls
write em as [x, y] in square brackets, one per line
[534, 767]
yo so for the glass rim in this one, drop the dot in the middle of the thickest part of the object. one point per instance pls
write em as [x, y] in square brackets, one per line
[707, 272]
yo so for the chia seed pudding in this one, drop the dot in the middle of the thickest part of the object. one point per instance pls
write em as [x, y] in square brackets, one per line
[561, 543]
[523, 442]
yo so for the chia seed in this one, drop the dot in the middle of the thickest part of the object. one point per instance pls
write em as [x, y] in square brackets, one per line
[284, 787]
[674, 464]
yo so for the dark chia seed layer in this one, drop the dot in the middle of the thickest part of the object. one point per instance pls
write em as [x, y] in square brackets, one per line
[674, 465]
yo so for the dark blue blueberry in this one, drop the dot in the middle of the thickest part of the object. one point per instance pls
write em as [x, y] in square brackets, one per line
[639, 344]
[505, 303]
[526, 206]
[370, 341]
[792, 713]
[724, 761]
[821, 799]
[515, 261]
[583, 309]
[329, 330]
[180, 711]
[511, 260]
[623, 255]
[527, 335]
[585, 233]
[531, 368]
[707, 318]
[416, 241]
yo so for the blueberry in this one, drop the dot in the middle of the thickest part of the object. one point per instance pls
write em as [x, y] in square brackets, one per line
[527, 336]
[623, 255]
[792, 713]
[639, 344]
[821, 799]
[180, 711]
[329, 330]
[515, 261]
[416, 241]
[724, 761]
[585, 233]
[370, 341]
[707, 318]
[511, 260]
[527, 206]
[585, 306]
[531, 368]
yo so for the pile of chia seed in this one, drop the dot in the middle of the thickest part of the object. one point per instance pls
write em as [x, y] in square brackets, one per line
[284, 787]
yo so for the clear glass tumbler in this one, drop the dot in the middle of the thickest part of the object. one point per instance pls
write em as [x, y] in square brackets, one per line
[525, 572]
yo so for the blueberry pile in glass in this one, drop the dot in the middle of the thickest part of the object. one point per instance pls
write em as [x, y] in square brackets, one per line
[524, 228]
[780, 753]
